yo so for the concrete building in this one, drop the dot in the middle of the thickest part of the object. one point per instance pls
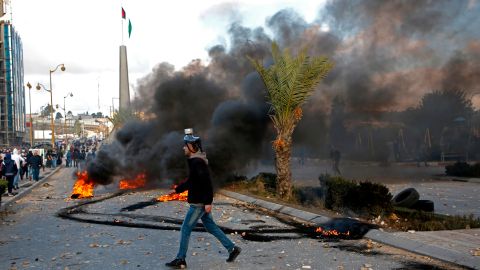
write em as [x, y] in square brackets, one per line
[12, 90]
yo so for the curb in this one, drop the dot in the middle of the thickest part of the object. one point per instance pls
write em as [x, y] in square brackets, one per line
[26, 191]
[390, 239]
[457, 178]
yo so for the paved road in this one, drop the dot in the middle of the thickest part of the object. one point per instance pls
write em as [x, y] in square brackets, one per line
[128, 231]
[450, 197]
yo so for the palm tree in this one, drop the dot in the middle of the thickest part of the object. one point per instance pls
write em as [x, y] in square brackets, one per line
[120, 117]
[289, 82]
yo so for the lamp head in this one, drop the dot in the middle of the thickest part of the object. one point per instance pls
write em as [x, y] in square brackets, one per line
[71, 95]
[38, 86]
[62, 68]
[56, 106]
[29, 85]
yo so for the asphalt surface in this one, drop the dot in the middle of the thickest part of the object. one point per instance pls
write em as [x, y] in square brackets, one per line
[128, 231]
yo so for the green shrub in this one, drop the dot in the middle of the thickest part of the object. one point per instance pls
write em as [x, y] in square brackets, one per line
[372, 197]
[463, 169]
[425, 221]
[458, 169]
[364, 197]
[269, 180]
[338, 190]
[3, 186]
[475, 170]
[310, 196]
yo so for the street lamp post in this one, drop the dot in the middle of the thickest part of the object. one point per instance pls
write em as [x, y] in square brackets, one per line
[31, 122]
[39, 87]
[65, 115]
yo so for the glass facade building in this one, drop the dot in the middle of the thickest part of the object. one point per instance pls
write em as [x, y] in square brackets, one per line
[12, 90]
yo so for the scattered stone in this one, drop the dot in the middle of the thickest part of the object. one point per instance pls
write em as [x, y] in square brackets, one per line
[411, 231]
[122, 242]
[306, 267]
[369, 244]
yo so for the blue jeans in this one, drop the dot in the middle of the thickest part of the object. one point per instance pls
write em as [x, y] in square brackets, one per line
[16, 179]
[195, 213]
[35, 173]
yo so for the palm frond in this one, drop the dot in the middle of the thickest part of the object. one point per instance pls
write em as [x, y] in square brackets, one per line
[290, 81]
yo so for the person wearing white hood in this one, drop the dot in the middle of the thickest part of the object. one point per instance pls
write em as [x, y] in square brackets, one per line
[18, 160]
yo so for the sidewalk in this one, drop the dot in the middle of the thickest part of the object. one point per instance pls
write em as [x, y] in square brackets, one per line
[456, 247]
[26, 186]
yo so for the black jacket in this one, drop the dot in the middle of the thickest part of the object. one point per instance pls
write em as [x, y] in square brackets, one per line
[198, 184]
[36, 161]
[9, 167]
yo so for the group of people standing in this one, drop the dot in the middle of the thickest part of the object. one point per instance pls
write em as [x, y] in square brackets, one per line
[77, 157]
[15, 165]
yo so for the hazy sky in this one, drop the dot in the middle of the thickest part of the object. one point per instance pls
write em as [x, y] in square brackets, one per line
[86, 35]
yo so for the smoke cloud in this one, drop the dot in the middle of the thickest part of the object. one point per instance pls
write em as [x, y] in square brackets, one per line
[387, 53]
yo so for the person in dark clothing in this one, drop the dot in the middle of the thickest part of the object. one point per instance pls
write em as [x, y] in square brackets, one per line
[76, 157]
[36, 162]
[29, 167]
[68, 159]
[200, 198]
[9, 170]
[335, 155]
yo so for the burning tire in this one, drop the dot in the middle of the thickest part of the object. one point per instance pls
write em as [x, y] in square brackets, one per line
[423, 205]
[406, 198]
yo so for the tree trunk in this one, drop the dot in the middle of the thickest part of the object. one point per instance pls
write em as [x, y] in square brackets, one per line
[282, 146]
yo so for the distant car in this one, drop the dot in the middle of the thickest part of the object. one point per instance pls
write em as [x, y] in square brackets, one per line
[43, 145]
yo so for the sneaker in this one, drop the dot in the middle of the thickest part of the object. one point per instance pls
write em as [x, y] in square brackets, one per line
[10, 194]
[177, 263]
[233, 255]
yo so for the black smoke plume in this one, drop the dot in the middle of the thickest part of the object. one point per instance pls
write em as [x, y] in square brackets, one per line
[388, 54]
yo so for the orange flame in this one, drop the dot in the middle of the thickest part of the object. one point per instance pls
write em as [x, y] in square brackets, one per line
[84, 186]
[331, 232]
[174, 197]
[138, 182]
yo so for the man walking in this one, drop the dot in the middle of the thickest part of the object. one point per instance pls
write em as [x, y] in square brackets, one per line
[36, 162]
[9, 170]
[200, 197]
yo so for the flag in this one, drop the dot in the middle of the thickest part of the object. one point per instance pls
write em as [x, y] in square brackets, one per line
[124, 14]
[129, 28]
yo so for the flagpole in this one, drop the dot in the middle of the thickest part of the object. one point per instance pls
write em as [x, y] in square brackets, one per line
[122, 28]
